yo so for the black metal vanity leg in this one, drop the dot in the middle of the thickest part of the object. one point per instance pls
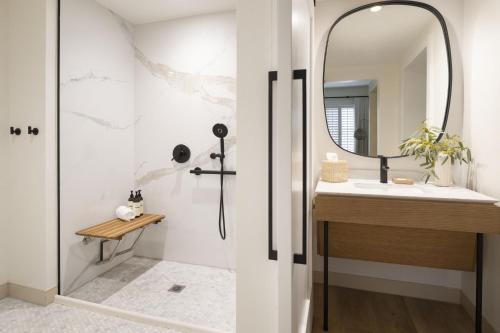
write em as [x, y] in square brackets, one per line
[325, 276]
[479, 283]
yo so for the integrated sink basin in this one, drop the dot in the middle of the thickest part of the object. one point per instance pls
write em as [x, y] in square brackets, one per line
[373, 188]
[391, 188]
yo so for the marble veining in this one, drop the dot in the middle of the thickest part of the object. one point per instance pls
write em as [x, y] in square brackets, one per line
[109, 124]
[21, 317]
[90, 76]
[199, 159]
[189, 83]
[97, 131]
[208, 300]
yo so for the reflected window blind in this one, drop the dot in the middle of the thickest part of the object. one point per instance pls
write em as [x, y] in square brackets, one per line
[341, 125]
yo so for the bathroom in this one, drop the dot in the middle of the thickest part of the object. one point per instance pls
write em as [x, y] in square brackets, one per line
[222, 113]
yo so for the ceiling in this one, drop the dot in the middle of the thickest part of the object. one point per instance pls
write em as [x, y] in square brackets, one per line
[349, 84]
[148, 11]
[367, 38]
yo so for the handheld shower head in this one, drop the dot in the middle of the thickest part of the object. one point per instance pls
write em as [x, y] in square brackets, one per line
[220, 130]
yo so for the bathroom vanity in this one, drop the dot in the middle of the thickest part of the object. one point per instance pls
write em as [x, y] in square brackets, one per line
[388, 74]
[421, 225]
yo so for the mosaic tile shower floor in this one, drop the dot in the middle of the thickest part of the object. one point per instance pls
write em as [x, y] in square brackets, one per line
[142, 285]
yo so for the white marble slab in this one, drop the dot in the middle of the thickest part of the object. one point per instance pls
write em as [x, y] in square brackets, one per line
[373, 188]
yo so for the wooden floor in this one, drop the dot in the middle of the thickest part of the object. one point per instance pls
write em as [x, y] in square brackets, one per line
[356, 311]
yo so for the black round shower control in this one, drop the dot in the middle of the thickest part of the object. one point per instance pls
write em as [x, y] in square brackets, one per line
[181, 154]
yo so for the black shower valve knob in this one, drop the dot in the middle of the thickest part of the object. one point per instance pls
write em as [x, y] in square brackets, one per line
[33, 130]
[181, 154]
[15, 131]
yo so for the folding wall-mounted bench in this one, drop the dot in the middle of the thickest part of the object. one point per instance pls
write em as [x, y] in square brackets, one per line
[115, 230]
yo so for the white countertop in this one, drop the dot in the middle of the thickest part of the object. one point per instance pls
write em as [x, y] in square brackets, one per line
[373, 188]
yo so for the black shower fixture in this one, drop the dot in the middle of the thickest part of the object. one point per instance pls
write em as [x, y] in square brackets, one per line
[181, 154]
[220, 131]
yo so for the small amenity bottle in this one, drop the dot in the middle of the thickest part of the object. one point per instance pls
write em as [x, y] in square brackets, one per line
[141, 201]
[137, 204]
[130, 202]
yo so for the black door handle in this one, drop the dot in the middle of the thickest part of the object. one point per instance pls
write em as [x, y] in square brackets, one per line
[272, 254]
[299, 74]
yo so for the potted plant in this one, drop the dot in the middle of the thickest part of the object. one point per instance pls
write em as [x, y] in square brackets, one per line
[439, 156]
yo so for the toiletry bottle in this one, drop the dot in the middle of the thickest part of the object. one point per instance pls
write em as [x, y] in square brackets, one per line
[137, 204]
[141, 202]
[130, 202]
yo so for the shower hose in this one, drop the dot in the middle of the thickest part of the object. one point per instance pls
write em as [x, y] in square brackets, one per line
[222, 218]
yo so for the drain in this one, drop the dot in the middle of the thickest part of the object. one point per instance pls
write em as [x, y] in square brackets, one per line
[176, 288]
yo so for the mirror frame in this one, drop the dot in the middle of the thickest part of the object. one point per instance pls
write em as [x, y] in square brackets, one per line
[441, 20]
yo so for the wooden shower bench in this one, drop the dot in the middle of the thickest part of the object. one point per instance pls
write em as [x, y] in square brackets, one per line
[115, 230]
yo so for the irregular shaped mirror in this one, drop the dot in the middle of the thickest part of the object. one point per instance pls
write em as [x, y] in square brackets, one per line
[387, 70]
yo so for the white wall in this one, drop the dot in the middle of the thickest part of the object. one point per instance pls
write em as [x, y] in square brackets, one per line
[301, 59]
[256, 278]
[481, 130]
[4, 124]
[97, 130]
[185, 84]
[31, 165]
[326, 13]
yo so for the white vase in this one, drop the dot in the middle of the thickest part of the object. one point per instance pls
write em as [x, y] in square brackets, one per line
[443, 171]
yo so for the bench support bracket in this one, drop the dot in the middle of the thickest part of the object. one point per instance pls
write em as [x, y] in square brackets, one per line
[115, 250]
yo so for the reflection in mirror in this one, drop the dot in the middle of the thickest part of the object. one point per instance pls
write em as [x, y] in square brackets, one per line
[386, 72]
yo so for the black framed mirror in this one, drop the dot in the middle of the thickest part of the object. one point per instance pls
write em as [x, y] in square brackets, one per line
[387, 69]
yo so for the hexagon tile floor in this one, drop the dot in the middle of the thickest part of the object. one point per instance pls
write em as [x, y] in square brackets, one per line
[21, 317]
[144, 285]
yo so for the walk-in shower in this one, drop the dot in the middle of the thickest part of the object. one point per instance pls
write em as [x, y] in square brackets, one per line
[141, 87]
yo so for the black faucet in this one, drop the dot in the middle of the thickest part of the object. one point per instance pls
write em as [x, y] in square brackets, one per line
[383, 169]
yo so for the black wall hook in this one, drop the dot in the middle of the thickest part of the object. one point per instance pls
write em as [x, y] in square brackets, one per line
[16, 131]
[33, 130]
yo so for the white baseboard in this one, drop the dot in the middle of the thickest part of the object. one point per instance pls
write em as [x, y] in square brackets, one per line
[31, 295]
[470, 308]
[3, 290]
[133, 316]
[403, 288]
